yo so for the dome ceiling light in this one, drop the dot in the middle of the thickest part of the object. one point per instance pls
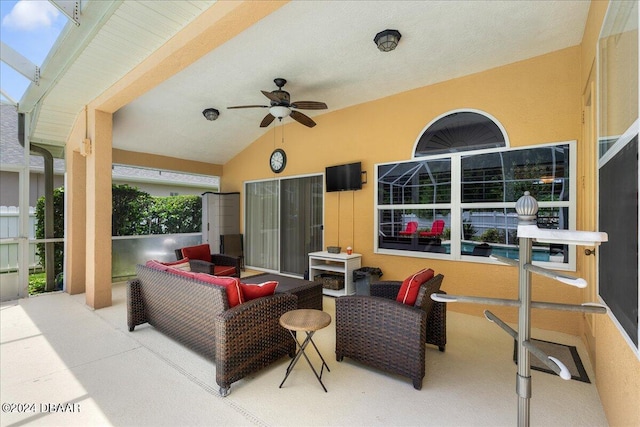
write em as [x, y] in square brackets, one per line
[211, 114]
[387, 40]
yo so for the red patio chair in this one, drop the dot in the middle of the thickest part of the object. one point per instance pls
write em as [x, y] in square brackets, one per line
[437, 228]
[202, 260]
[412, 227]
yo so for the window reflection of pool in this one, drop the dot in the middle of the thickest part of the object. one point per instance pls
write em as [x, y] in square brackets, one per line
[538, 254]
[417, 244]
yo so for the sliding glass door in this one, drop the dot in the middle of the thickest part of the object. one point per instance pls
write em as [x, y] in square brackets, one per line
[283, 223]
[300, 222]
[261, 224]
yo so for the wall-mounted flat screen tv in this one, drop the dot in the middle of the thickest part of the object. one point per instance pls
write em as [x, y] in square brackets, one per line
[344, 177]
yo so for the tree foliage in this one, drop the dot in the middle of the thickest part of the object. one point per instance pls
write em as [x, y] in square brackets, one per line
[134, 213]
[129, 210]
[175, 214]
[58, 228]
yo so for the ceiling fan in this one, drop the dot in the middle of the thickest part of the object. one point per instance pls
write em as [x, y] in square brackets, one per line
[281, 106]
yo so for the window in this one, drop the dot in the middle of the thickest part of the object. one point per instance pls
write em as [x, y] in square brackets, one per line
[460, 131]
[618, 259]
[618, 75]
[461, 206]
[413, 192]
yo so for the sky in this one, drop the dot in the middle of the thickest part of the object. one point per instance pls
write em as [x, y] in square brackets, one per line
[30, 27]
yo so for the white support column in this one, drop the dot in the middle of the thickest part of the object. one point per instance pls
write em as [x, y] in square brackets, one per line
[23, 203]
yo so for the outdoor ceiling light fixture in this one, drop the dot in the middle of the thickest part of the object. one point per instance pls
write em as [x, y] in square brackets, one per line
[387, 40]
[279, 111]
[211, 114]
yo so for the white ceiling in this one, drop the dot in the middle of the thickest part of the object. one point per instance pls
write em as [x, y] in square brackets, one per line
[326, 52]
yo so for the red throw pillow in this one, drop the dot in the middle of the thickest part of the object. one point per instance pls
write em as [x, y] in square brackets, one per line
[232, 285]
[408, 293]
[200, 252]
[257, 290]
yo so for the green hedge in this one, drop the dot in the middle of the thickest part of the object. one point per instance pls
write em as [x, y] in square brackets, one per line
[58, 228]
[134, 213]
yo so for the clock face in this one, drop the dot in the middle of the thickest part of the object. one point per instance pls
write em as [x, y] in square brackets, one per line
[278, 160]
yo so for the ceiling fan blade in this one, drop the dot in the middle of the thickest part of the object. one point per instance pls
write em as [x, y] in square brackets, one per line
[271, 96]
[309, 105]
[303, 119]
[248, 106]
[266, 121]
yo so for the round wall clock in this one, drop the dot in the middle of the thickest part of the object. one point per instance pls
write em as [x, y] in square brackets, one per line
[278, 160]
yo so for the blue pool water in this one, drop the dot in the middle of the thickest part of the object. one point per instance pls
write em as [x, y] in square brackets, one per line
[537, 255]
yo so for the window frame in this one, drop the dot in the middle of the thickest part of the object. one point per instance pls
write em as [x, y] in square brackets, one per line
[457, 207]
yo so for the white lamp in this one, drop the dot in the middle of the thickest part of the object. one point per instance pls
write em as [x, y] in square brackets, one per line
[279, 111]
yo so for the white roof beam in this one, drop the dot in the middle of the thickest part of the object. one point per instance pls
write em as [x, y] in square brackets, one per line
[22, 65]
[70, 8]
[8, 97]
[71, 41]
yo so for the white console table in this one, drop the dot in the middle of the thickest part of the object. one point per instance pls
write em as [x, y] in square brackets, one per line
[342, 263]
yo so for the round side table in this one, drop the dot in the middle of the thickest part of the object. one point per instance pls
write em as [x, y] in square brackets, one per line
[308, 321]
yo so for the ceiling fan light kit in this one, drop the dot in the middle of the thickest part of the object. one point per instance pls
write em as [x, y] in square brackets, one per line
[279, 111]
[281, 106]
[387, 40]
[211, 114]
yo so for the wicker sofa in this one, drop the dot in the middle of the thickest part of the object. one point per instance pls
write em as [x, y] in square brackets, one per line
[241, 340]
[388, 335]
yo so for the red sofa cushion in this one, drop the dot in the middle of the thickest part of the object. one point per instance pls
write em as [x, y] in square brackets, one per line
[152, 263]
[201, 252]
[180, 272]
[258, 290]
[182, 264]
[408, 293]
[232, 285]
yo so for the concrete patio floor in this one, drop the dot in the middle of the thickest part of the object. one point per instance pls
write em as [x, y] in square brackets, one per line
[65, 364]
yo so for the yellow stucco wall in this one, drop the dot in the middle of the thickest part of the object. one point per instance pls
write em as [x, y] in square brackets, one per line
[537, 101]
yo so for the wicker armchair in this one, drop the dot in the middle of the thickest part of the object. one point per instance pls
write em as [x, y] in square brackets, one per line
[436, 315]
[201, 260]
[388, 335]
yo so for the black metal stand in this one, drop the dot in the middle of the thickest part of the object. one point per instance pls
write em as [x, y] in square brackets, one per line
[301, 352]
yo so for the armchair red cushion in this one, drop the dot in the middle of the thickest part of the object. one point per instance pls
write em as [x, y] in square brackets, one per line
[408, 293]
[201, 252]
[224, 270]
